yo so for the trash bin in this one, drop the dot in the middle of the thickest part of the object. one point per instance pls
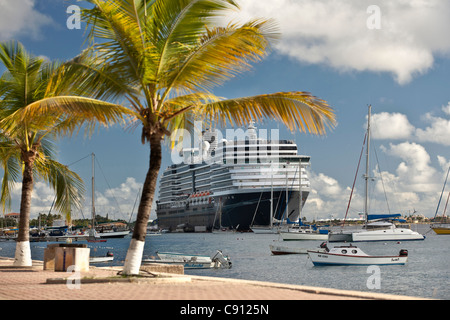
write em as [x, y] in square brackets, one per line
[59, 257]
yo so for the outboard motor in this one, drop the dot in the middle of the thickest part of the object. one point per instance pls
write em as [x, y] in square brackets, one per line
[220, 261]
[109, 254]
[323, 245]
[403, 253]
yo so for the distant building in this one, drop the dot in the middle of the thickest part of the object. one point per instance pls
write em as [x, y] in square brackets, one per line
[13, 215]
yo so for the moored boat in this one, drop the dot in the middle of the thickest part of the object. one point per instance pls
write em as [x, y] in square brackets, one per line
[191, 261]
[352, 255]
[441, 229]
[385, 231]
[304, 234]
[96, 259]
[382, 227]
[283, 250]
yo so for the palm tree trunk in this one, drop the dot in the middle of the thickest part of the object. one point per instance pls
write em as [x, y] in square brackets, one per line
[23, 251]
[136, 248]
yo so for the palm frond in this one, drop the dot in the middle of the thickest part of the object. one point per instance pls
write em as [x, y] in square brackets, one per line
[296, 110]
[92, 76]
[220, 54]
[63, 115]
[9, 155]
[68, 186]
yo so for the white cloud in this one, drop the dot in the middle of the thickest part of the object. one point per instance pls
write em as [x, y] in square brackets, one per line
[415, 171]
[391, 126]
[446, 109]
[19, 18]
[439, 129]
[117, 202]
[335, 33]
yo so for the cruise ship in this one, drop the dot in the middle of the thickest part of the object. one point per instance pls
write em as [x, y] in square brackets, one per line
[233, 184]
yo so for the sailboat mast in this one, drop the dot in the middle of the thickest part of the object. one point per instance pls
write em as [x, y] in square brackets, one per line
[93, 191]
[300, 190]
[271, 198]
[367, 166]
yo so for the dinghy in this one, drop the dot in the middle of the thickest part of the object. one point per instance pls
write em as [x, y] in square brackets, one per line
[192, 261]
[108, 257]
[351, 255]
[283, 250]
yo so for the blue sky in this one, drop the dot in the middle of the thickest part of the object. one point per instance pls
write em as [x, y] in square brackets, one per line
[402, 69]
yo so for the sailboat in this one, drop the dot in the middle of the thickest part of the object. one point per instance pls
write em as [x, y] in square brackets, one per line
[442, 228]
[270, 229]
[303, 232]
[382, 227]
[95, 236]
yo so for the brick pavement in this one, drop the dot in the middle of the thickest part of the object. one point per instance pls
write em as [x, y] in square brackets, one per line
[32, 284]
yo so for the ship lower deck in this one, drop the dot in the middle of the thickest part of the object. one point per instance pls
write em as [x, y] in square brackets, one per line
[234, 211]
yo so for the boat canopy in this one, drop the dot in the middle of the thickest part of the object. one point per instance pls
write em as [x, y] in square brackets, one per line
[392, 217]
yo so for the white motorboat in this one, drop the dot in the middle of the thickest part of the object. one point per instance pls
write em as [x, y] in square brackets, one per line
[385, 231]
[351, 255]
[304, 234]
[283, 250]
[264, 230]
[100, 259]
[113, 234]
[108, 257]
[192, 261]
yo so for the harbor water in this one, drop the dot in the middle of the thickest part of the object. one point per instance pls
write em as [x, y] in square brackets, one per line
[426, 273]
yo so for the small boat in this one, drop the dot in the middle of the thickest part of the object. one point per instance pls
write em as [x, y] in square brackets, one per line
[192, 261]
[109, 257]
[264, 229]
[441, 229]
[385, 230]
[351, 255]
[283, 250]
[304, 234]
[113, 234]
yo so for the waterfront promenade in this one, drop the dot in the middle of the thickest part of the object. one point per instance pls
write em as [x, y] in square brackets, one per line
[34, 283]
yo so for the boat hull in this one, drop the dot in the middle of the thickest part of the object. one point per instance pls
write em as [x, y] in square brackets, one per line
[100, 259]
[282, 250]
[441, 231]
[113, 234]
[339, 237]
[186, 265]
[264, 230]
[330, 259]
[397, 234]
[191, 261]
[298, 236]
[233, 211]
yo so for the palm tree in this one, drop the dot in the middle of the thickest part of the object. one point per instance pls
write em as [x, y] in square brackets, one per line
[33, 113]
[164, 57]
